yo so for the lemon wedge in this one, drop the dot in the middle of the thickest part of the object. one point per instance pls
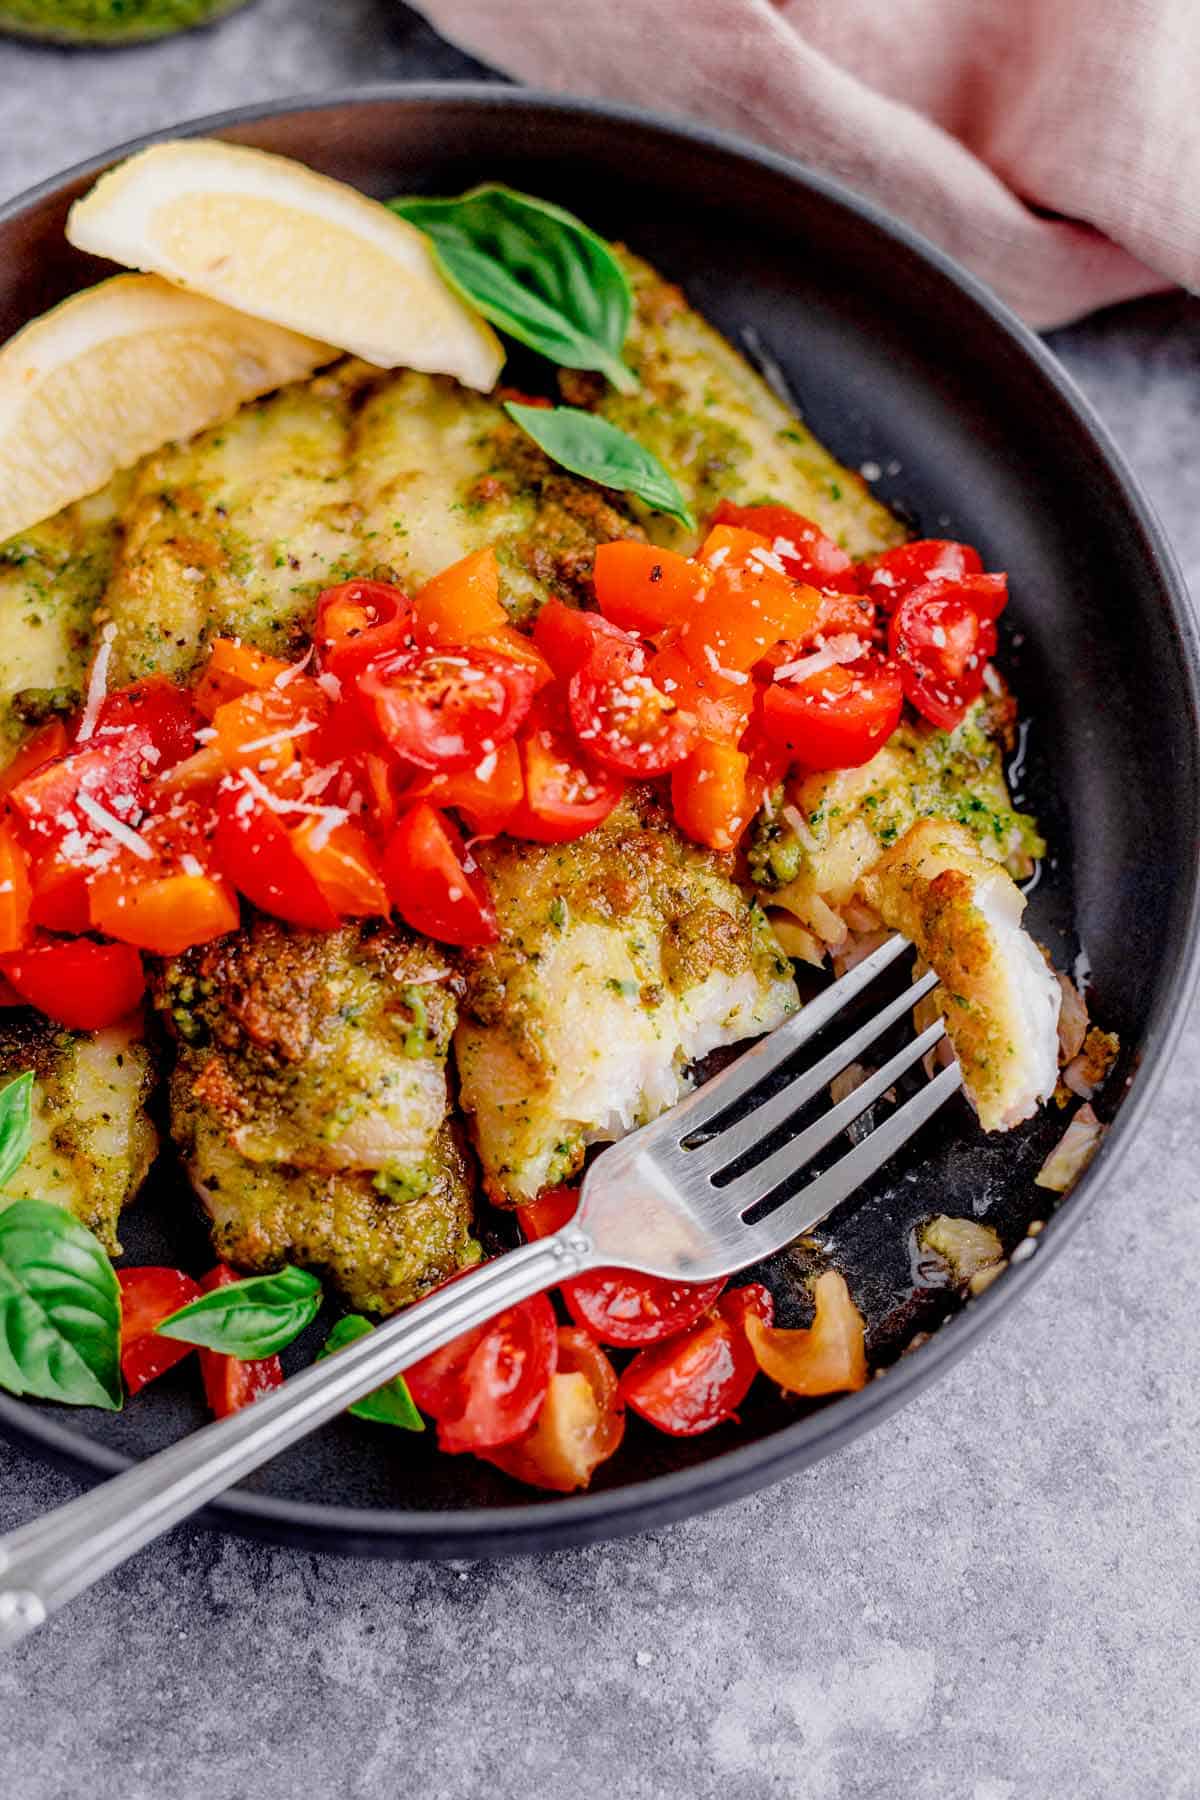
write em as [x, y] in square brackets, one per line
[115, 372]
[277, 240]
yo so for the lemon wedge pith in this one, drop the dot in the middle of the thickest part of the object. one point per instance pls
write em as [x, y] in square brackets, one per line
[275, 239]
[115, 372]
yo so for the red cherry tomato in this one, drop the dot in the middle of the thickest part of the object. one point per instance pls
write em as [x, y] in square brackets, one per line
[148, 1296]
[156, 713]
[434, 882]
[837, 719]
[171, 899]
[580, 1425]
[621, 718]
[254, 851]
[230, 1383]
[886, 578]
[566, 637]
[695, 1381]
[542, 1217]
[78, 982]
[802, 547]
[564, 795]
[359, 621]
[45, 745]
[61, 901]
[942, 646]
[447, 709]
[644, 589]
[51, 804]
[486, 1387]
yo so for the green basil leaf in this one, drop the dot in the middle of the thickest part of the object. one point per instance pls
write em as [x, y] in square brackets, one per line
[16, 1112]
[588, 445]
[251, 1318]
[60, 1309]
[391, 1404]
[536, 272]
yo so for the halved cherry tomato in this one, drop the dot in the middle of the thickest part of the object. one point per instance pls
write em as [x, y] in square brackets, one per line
[828, 1358]
[709, 795]
[508, 641]
[230, 1383]
[696, 1380]
[265, 730]
[434, 882]
[343, 865]
[803, 548]
[619, 1307]
[888, 577]
[721, 708]
[16, 894]
[548, 1213]
[750, 605]
[358, 621]
[836, 719]
[564, 794]
[621, 718]
[171, 899]
[644, 589]
[157, 712]
[580, 1425]
[45, 745]
[565, 636]
[487, 795]
[78, 982]
[942, 645]
[447, 709]
[254, 851]
[148, 1296]
[486, 1387]
[234, 668]
[52, 804]
[462, 603]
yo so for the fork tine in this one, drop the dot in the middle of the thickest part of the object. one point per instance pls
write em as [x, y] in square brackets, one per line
[699, 1111]
[815, 1201]
[757, 1182]
[724, 1147]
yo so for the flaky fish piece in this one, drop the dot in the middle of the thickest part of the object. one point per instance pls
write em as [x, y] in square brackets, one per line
[92, 1141]
[623, 958]
[309, 1101]
[999, 998]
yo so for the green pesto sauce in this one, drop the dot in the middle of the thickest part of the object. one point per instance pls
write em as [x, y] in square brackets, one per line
[108, 21]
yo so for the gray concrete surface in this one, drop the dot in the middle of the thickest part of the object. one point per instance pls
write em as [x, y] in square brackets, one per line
[993, 1597]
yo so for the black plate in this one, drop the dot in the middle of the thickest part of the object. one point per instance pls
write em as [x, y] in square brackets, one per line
[900, 359]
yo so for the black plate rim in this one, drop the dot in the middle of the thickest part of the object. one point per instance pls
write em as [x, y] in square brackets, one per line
[581, 1519]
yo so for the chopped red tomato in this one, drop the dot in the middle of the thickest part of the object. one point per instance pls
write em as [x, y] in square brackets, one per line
[462, 603]
[233, 668]
[565, 636]
[620, 1307]
[60, 802]
[564, 794]
[77, 982]
[888, 577]
[806, 553]
[230, 1383]
[750, 605]
[157, 713]
[644, 589]
[838, 718]
[265, 730]
[721, 708]
[829, 1357]
[447, 709]
[621, 718]
[16, 895]
[709, 795]
[46, 745]
[487, 1387]
[61, 898]
[696, 1380]
[358, 621]
[508, 641]
[434, 882]
[164, 895]
[148, 1296]
[254, 851]
[549, 1212]
[580, 1425]
[342, 863]
[487, 795]
[942, 645]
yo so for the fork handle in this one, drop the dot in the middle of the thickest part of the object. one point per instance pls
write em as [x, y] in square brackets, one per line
[46, 1563]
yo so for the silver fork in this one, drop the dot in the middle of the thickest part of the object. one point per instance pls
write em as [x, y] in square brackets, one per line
[671, 1199]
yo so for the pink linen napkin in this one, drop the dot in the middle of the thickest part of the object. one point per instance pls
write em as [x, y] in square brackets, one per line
[1051, 145]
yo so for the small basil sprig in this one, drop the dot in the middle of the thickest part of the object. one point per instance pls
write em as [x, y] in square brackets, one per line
[391, 1404]
[251, 1318]
[16, 1124]
[588, 445]
[60, 1308]
[535, 271]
